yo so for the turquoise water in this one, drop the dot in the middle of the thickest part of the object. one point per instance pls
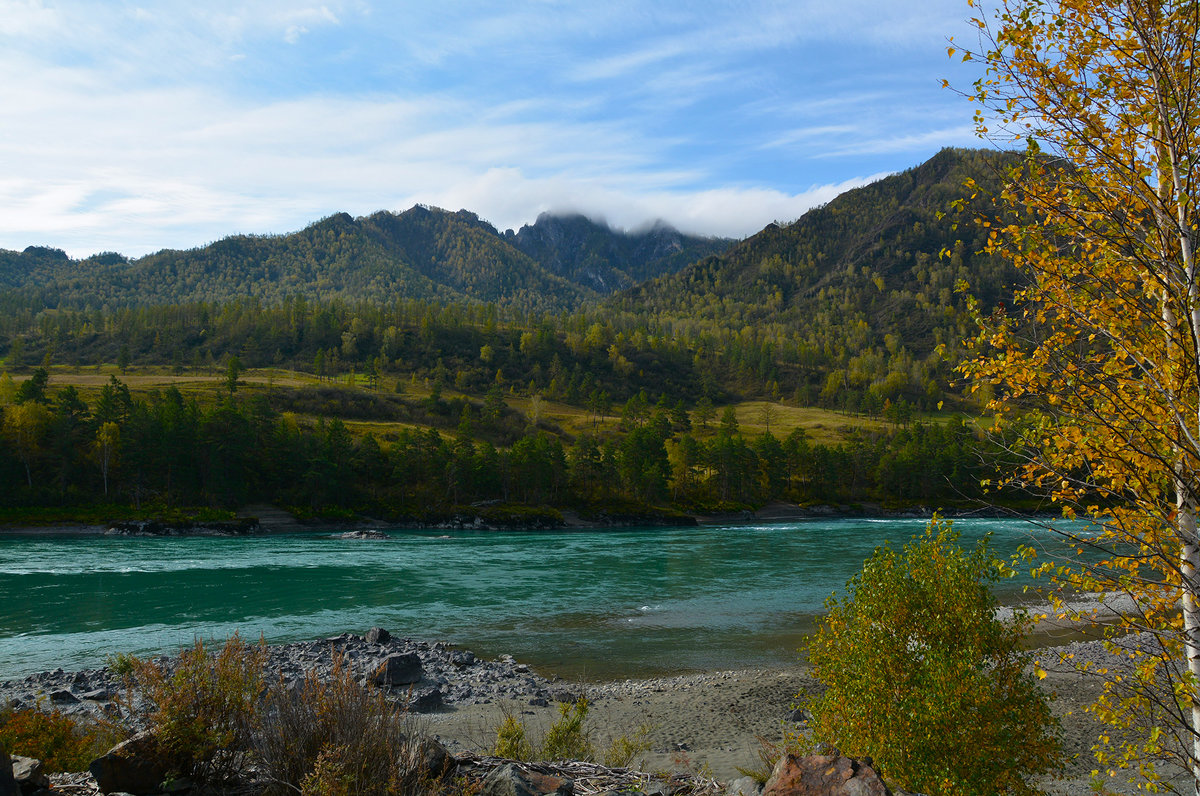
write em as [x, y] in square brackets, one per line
[592, 604]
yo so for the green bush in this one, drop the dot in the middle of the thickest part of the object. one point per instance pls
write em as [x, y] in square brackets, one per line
[923, 677]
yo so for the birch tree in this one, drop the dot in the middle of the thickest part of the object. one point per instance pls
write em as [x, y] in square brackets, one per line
[1094, 368]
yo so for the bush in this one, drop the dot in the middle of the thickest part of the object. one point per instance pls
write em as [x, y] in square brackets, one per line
[61, 742]
[922, 676]
[337, 738]
[204, 708]
[567, 739]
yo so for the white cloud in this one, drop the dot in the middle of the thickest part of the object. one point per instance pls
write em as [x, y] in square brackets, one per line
[134, 128]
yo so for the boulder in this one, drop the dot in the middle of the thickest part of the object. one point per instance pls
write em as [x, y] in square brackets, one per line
[509, 780]
[434, 760]
[8, 783]
[426, 700]
[400, 668]
[27, 772]
[130, 767]
[63, 696]
[377, 635]
[824, 775]
[745, 786]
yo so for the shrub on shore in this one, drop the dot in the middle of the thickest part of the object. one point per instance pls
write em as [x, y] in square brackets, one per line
[337, 737]
[203, 708]
[214, 714]
[61, 742]
[923, 677]
[568, 738]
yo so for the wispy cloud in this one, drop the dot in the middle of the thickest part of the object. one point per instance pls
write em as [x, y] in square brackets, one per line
[170, 124]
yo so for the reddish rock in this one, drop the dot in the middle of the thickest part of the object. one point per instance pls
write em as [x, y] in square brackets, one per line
[824, 775]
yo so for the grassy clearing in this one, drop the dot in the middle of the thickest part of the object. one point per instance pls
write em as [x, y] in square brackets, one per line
[822, 425]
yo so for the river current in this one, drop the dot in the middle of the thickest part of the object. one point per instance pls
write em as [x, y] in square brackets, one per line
[583, 604]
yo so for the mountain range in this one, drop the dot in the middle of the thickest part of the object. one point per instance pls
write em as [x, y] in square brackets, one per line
[426, 253]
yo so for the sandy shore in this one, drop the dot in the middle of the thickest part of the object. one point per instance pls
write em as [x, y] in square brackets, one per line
[710, 723]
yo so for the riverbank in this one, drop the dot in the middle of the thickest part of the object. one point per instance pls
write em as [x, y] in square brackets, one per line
[708, 723]
[269, 519]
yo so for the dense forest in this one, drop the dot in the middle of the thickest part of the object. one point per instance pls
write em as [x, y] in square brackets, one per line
[853, 309]
[171, 450]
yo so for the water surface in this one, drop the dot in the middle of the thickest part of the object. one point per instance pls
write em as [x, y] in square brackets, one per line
[591, 604]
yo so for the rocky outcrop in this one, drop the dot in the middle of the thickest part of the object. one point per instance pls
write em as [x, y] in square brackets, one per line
[239, 527]
[445, 675]
[824, 775]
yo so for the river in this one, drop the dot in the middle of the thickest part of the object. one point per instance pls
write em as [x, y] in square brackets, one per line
[581, 604]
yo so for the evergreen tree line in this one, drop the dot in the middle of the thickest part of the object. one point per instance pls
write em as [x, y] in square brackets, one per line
[168, 449]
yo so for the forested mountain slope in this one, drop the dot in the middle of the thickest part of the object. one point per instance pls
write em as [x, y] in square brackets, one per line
[422, 253]
[856, 287]
[590, 253]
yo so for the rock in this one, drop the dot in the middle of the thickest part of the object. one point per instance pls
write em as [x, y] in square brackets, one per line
[434, 760]
[8, 783]
[509, 780]
[377, 635]
[130, 767]
[400, 668]
[27, 771]
[745, 786]
[63, 697]
[426, 701]
[99, 695]
[824, 775]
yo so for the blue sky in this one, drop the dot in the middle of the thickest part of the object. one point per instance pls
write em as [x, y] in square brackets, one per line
[133, 128]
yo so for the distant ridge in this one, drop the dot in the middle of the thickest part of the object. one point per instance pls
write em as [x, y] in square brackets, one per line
[426, 253]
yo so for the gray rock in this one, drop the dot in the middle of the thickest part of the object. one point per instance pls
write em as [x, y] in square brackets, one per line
[377, 635]
[509, 780]
[99, 695]
[426, 701]
[435, 760]
[744, 786]
[129, 767]
[63, 697]
[27, 772]
[400, 668]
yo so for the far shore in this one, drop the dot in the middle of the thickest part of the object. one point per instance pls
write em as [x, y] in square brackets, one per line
[273, 520]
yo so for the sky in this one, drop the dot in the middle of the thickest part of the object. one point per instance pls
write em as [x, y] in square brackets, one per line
[136, 127]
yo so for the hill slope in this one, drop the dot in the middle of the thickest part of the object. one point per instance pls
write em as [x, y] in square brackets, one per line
[857, 286]
[421, 253]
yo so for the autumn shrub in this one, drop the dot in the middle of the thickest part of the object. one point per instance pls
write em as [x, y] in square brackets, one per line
[61, 742]
[923, 677]
[203, 708]
[335, 737]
